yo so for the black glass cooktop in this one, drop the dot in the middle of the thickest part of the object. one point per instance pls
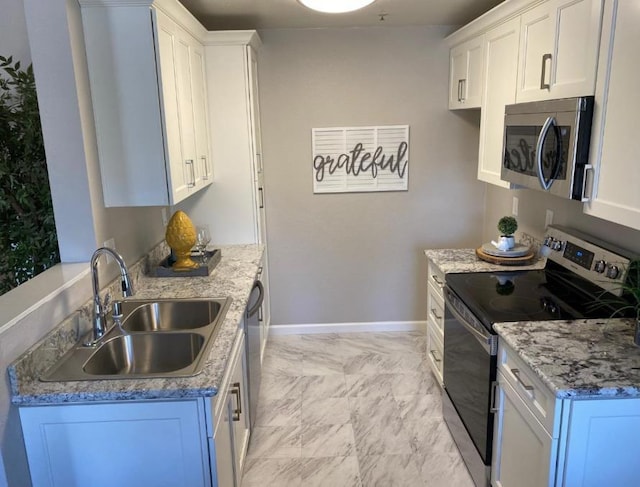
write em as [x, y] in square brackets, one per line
[539, 295]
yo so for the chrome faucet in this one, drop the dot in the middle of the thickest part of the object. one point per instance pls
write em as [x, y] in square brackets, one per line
[99, 312]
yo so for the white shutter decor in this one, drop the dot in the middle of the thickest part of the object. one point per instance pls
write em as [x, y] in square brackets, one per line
[360, 159]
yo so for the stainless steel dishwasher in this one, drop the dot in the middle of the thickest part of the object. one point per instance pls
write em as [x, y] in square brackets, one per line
[252, 322]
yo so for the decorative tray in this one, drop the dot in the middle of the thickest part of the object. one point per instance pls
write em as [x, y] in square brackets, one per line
[211, 259]
[522, 260]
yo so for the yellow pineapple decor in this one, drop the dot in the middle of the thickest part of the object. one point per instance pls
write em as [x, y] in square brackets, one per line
[181, 237]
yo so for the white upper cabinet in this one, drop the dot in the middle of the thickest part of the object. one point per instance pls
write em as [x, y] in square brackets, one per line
[613, 143]
[465, 76]
[559, 42]
[239, 196]
[500, 72]
[146, 72]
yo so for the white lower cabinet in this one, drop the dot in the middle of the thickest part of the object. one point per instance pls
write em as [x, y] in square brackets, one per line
[128, 444]
[435, 319]
[137, 443]
[541, 440]
[524, 448]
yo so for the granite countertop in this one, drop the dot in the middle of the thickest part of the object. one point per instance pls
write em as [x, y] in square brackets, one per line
[465, 260]
[579, 358]
[233, 276]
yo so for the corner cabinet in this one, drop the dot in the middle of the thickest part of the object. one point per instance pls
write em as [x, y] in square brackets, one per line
[541, 440]
[559, 42]
[435, 320]
[149, 92]
[465, 76]
[613, 152]
[172, 443]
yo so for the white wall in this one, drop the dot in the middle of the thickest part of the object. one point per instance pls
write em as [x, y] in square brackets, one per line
[339, 258]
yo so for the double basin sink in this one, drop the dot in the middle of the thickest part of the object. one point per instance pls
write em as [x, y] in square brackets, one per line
[156, 338]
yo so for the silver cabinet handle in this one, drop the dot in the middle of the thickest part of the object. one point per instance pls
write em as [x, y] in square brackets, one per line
[435, 357]
[189, 162]
[543, 75]
[516, 373]
[493, 407]
[205, 167]
[463, 94]
[438, 281]
[238, 409]
[261, 193]
[459, 91]
[434, 313]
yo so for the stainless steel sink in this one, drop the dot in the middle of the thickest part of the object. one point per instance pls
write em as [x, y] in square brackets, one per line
[158, 338]
[165, 315]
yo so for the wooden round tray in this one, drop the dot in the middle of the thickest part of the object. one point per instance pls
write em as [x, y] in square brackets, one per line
[523, 260]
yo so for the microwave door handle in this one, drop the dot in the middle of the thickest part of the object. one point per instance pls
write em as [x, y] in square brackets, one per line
[541, 138]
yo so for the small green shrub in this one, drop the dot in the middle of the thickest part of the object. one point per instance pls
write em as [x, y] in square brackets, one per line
[507, 225]
[28, 241]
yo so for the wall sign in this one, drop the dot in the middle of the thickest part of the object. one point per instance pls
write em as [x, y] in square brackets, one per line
[360, 159]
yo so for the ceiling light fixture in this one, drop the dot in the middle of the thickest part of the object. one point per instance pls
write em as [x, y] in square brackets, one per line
[336, 6]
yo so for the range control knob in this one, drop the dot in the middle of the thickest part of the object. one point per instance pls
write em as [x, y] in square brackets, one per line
[600, 266]
[612, 271]
[557, 244]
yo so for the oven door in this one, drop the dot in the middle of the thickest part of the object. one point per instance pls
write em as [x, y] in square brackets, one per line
[469, 371]
[539, 151]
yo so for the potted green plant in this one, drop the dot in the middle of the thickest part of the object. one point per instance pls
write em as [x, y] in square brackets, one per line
[507, 225]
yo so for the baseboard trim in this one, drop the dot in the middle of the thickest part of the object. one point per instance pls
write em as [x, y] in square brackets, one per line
[372, 326]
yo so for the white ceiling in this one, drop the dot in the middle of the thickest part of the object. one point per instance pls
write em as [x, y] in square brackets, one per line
[281, 14]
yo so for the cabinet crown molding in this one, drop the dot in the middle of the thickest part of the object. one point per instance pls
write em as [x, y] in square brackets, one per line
[233, 38]
[497, 15]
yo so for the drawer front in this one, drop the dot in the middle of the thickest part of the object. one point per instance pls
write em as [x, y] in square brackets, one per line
[435, 278]
[435, 308]
[533, 392]
[435, 351]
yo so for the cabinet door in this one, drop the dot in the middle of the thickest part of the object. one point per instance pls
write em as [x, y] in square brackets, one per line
[240, 412]
[224, 467]
[465, 80]
[500, 72]
[558, 50]
[199, 93]
[256, 142]
[522, 449]
[602, 443]
[616, 197]
[177, 170]
[123, 444]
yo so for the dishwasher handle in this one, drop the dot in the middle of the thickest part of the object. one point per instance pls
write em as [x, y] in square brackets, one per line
[256, 307]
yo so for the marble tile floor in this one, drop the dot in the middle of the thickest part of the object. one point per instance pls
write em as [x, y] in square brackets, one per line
[353, 409]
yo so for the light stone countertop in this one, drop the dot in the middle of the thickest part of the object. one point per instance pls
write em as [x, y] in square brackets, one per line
[580, 358]
[465, 260]
[233, 276]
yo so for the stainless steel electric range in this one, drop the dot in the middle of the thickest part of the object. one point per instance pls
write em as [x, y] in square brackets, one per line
[579, 272]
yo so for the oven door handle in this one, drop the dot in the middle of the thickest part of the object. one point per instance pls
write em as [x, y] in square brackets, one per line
[487, 340]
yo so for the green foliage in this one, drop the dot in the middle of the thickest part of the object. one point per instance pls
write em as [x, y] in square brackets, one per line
[28, 242]
[507, 225]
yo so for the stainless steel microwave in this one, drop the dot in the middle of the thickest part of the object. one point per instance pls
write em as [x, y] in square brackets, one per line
[546, 145]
